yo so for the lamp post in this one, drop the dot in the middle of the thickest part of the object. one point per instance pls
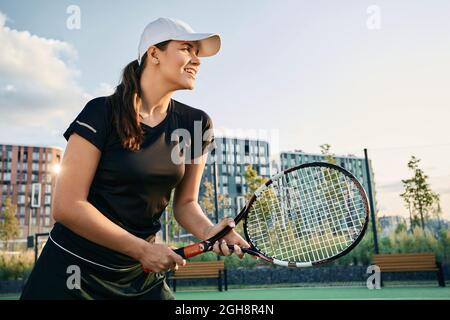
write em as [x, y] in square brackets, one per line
[216, 204]
[371, 202]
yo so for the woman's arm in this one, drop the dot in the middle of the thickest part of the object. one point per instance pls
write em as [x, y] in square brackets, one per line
[190, 216]
[71, 208]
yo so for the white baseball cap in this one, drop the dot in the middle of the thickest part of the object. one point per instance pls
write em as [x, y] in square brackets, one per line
[164, 29]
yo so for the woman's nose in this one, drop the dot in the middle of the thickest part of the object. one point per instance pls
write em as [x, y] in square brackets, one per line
[196, 60]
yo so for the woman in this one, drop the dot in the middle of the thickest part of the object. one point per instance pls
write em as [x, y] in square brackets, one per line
[119, 168]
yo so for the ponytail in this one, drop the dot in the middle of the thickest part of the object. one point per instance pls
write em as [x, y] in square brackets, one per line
[123, 101]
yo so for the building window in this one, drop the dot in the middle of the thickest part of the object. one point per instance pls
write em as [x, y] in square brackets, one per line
[20, 199]
[240, 203]
[35, 195]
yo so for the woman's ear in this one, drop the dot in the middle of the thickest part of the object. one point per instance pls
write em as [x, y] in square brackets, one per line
[152, 53]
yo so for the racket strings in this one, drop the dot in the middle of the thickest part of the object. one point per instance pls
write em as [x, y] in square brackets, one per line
[309, 214]
[323, 243]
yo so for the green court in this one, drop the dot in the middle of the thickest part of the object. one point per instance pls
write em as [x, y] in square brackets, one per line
[321, 293]
[308, 293]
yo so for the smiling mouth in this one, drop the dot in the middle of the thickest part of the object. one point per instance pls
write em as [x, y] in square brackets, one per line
[191, 72]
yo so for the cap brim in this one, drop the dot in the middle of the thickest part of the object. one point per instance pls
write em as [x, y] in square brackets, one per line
[209, 42]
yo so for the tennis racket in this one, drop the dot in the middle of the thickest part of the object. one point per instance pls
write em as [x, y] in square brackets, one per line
[304, 216]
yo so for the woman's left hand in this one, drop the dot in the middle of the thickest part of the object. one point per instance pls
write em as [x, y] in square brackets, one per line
[232, 238]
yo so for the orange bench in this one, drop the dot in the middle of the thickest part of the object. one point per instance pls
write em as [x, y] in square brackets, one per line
[201, 270]
[409, 262]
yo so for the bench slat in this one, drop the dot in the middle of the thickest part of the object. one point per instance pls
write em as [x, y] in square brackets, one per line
[194, 277]
[406, 262]
[199, 269]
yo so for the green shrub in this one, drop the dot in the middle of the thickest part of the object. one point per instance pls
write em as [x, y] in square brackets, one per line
[15, 267]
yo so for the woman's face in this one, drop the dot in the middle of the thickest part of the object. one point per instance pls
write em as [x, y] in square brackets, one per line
[179, 64]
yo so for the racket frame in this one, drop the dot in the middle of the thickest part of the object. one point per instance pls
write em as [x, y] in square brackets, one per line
[204, 246]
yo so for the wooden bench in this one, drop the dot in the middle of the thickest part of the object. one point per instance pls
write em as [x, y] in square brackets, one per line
[201, 270]
[408, 262]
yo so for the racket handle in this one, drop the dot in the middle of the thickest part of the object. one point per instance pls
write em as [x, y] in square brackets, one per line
[191, 250]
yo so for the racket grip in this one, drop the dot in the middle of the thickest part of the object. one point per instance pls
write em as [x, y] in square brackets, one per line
[191, 250]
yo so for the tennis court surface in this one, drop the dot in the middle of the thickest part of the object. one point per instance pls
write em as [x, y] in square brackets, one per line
[403, 293]
[321, 293]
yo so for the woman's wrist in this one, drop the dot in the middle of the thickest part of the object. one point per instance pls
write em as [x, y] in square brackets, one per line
[206, 232]
[136, 247]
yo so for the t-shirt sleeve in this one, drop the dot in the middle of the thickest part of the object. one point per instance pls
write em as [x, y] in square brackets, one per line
[92, 123]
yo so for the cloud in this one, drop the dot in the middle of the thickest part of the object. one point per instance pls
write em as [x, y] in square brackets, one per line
[103, 89]
[40, 91]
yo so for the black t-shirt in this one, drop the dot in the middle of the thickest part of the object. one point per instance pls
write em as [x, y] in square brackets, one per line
[132, 188]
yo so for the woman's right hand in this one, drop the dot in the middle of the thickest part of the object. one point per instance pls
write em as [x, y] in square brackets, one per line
[156, 257]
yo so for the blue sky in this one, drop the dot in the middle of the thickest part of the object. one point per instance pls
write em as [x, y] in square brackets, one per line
[312, 72]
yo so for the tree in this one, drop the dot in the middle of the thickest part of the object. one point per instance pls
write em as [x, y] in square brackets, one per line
[325, 150]
[9, 225]
[437, 210]
[171, 224]
[418, 197]
[207, 201]
[252, 180]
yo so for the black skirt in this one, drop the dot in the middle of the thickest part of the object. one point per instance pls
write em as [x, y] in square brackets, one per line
[71, 267]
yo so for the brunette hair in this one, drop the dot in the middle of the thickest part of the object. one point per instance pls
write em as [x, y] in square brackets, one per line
[125, 116]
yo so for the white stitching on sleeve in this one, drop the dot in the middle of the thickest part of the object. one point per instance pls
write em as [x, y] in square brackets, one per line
[86, 125]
